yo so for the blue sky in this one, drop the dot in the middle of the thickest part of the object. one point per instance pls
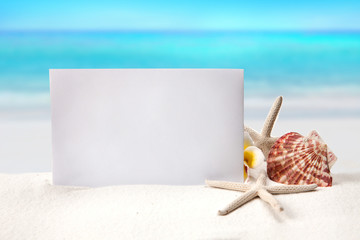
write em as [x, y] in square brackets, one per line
[179, 15]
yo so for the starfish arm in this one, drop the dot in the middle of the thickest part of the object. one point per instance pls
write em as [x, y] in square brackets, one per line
[262, 178]
[267, 197]
[255, 136]
[228, 185]
[247, 196]
[290, 188]
[271, 117]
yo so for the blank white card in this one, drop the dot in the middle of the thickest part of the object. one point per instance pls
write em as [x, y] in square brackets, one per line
[146, 126]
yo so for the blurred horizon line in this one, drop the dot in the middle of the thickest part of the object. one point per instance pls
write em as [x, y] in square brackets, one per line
[274, 31]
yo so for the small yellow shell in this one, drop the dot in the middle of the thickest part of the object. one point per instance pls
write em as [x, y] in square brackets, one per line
[253, 157]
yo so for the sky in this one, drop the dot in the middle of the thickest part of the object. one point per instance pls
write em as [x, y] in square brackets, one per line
[309, 15]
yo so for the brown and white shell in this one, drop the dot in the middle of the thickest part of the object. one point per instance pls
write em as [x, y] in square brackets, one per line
[330, 154]
[295, 159]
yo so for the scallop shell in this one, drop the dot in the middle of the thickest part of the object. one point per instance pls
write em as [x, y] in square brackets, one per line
[330, 154]
[295, 159]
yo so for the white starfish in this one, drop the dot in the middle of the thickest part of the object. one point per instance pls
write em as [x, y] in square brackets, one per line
[263, 140]
[258, 189]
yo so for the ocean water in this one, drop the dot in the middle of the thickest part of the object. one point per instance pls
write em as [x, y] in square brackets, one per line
[317, 72]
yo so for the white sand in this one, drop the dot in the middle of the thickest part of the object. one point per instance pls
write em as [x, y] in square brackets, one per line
[32, 208]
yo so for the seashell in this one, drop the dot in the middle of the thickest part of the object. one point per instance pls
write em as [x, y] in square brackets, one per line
[330, 154]
[246, 173]
[295, 159]
[253, 157]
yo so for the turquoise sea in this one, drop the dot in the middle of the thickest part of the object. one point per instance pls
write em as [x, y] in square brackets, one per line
[311, 66]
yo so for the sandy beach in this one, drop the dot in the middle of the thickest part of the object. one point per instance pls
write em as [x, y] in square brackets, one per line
[32, 208]
[306, 51]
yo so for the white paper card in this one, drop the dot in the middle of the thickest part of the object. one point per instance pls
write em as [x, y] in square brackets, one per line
[146, 126]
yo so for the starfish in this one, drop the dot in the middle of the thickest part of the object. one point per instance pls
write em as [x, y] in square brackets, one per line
[258, 189]
[263, 140]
